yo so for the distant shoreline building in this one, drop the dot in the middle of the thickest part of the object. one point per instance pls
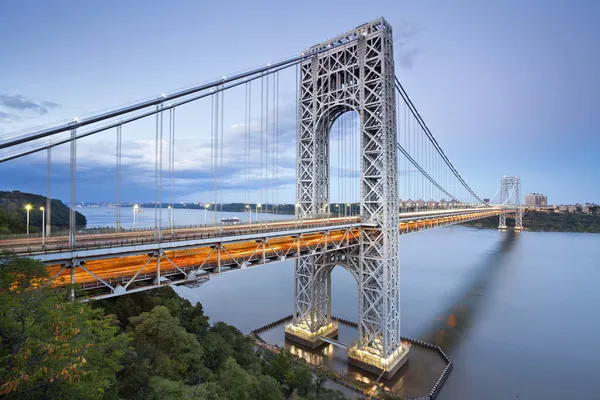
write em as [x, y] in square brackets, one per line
[536, 200]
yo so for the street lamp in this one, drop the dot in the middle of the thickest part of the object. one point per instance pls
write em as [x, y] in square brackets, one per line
[170, 220]
[135, 210]
[43, 226]
[205, 208]
[28, 208]
[258, 206]
[298, 212]
[249, 211]
[338, 210]
[347, 205]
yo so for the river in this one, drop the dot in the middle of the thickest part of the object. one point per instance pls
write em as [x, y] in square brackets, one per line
[516, 312]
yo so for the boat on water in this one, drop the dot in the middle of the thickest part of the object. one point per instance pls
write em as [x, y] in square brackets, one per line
[230, 221]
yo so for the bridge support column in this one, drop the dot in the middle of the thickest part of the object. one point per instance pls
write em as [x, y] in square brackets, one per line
[358, 76]
[312, 306]
[510, 185]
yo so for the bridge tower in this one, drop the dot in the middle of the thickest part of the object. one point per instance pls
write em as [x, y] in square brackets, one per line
[357, 74]
[508, 185]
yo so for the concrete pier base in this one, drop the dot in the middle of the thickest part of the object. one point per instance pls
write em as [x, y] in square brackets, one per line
[374, 364]
[309, 339]
[502, 227]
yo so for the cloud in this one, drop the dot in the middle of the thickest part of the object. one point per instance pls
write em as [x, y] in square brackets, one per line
[4, 115]
[406, 50]
[21, 103]
[407, 58]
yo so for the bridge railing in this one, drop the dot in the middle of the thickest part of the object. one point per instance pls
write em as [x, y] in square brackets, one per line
[167, 237]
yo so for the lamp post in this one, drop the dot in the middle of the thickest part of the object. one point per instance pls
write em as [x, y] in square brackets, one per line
[338, 210]
[347, 205]
[205, 208]
[43, 226]
[170, 220]
[249, 211]
[214, 212]
[28, 208]
[258, 206]
[135, 211]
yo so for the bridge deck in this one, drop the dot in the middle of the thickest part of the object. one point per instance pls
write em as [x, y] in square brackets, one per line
[120, 265]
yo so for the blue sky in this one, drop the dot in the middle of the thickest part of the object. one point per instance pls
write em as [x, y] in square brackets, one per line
[508, 88]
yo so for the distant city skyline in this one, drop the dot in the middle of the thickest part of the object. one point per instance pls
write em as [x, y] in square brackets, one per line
[507, 88]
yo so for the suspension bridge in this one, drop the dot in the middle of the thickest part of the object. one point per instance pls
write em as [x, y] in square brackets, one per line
[367, 170]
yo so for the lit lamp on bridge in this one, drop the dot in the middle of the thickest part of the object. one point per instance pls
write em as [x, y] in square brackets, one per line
[298, 212]
[135, 211]
[42, 209]
[28, 208]
[170, 219]
[249, 211]
[206, 206]
[338, 210]
[258, 206]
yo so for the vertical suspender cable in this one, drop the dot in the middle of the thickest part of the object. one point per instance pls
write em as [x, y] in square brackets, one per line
[276, 160]
[246, 145]
[262, 133]
[160, 172]
[73, 180]
[266, 153]
[156, 175]
[172, 183]
[212, 154]
[222, 167]
[48, 194]
[118, 181]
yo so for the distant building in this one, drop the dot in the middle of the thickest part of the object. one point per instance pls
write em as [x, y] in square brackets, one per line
[572, 209]
[585, 210]
[536, 200]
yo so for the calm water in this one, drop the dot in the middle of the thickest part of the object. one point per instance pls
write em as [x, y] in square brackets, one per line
[106, 216]
[517, 313]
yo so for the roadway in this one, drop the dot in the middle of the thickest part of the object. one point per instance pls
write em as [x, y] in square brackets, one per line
[194, 252]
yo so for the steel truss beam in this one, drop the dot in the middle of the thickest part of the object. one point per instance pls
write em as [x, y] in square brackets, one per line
[358, 76]
[508, 186]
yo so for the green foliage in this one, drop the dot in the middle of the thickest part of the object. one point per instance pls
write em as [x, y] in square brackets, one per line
[548, 222]
[51, 347]
[267, 388]
[13, 218]
[235, 381]
[151, 345]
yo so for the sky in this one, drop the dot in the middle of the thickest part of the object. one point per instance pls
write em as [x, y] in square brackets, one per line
[507, 88]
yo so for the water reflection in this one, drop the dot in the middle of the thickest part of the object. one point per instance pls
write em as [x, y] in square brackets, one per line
[415, 378]
[450, 326]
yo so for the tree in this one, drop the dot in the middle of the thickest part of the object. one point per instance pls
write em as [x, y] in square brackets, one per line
[165, 347]
[236, 382]
[279, 366]
[216, 351]
[51, 347]
[302, 380]
[267, 388]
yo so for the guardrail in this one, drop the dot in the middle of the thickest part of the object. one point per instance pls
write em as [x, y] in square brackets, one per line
[88, 245]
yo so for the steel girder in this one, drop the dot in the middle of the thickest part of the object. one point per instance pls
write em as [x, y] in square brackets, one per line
[358, 76]
[508, 185]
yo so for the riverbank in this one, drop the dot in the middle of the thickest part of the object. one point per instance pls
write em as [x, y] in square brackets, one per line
[539, 221]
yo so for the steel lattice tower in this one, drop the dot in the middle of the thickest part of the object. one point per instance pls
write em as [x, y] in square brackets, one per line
[358, 76]
[508, 185]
